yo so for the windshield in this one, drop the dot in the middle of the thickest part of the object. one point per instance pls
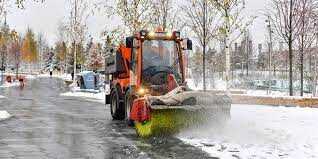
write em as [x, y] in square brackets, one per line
[160, 56]
[159, 53]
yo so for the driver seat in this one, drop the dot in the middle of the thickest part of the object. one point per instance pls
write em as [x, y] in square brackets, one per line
[171, 82]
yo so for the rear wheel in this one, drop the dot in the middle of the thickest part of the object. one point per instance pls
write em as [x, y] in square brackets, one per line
[116, 106]
[129, 99]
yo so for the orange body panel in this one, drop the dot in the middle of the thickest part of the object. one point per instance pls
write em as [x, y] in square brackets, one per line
[140, 111]
[129, 78]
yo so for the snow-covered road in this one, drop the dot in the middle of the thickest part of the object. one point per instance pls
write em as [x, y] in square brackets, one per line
[261, 132]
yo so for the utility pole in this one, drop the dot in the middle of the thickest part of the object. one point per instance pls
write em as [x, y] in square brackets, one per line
[204, 42]
[270, 45]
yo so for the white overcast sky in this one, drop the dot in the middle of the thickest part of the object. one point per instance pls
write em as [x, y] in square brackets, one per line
[45, 17]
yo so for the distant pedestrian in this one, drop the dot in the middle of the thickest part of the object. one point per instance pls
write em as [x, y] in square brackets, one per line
[51, 72]
[72, 74]
[21, 81]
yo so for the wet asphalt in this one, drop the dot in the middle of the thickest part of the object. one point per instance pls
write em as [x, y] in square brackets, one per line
[49, 126]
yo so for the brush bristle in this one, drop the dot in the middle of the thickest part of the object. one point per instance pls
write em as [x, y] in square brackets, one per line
[166, 122]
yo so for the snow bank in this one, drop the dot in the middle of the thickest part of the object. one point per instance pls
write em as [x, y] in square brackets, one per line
[12, 84]
[4, 115]
[92, 96]
[278, 94]
[30, 77]
[61, 76]
[2, 96]
[87, 94]
[261, 132]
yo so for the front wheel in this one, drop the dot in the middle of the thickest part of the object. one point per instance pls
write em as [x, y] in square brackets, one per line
[129, 99]
[116, 107]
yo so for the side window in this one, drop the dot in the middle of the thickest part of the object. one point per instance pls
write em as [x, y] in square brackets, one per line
[133, 66]
[133, 59]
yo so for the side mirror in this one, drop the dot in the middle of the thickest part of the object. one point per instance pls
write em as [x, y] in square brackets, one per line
[187, 44]
[129, 42]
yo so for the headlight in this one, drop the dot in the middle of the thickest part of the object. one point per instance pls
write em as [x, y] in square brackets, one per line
[142, 91]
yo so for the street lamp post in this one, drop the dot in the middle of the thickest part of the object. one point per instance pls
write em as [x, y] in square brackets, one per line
[270, 45]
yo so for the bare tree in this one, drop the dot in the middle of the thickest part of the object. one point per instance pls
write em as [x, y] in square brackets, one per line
[5, 5]
[134, 14]
[161, 10]
[286, 27]
[202, 18]
[77, 27]
[41, 42]
[315, 58]
[233, 26]
[62, 37]
[14, 50]
[247, 47]
[314, 54]
[62, 31]
[306, 36]
[166, 13]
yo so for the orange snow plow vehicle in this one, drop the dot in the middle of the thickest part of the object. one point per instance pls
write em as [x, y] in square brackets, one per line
[147, 86]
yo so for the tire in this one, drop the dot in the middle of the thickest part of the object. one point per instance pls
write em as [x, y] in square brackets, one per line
[128, 104]
[116, 106]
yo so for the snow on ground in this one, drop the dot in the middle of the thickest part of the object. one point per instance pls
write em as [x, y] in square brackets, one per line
[219, 85]
[17, 83]
[30, 77]
[12, 84]
[4, 115]
[261, 132]
[2, 96]
[91, 95]
[263, 93]
[61, 76]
